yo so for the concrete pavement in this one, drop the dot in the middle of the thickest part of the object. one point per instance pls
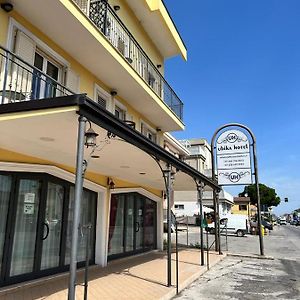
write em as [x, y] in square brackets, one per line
[241, 277]
[247, 279]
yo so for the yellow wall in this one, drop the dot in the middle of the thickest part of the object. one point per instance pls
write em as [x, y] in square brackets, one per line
[3, 27]
[87, 79]
[235, 209]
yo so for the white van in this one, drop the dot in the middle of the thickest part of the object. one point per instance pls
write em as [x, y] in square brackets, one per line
[237, 224]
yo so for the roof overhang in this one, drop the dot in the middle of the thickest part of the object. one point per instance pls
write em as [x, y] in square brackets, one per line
[157, 22]
[47, 129]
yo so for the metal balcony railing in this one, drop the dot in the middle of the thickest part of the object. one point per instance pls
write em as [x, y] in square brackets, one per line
[106, 20]
[20, 81]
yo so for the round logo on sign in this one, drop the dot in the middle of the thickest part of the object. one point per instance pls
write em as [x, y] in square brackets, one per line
[232, 137]
[234, 177]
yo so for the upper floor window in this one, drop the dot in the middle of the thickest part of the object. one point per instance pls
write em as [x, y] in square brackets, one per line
[45, 87]
[102, 97]
[148, 131]
[195, 149]
[120, 113]
[179, 206]
[242, 207]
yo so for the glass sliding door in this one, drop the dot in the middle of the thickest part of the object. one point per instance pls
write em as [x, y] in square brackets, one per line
[87, 215]
[132, 225]
[25, 230]
[129, 223]
[36, 223]
[139, 223]
[52, 226]
[116, 225]
[149, 224]
[5, 194]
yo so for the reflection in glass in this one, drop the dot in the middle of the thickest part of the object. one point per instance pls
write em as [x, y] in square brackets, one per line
[116, 225]
[25, 227]
[149, 223]
[139, 231]
[87, 215]
[130, 224]
[5, 190]
[53, 223]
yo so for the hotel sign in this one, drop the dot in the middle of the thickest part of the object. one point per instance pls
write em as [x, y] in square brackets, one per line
[233, 158]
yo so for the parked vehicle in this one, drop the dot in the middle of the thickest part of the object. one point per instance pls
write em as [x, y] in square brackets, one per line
[282, 221]
[237, 224]
[267, 224]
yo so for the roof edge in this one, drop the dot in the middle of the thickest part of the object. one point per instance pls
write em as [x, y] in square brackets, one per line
[159, 5]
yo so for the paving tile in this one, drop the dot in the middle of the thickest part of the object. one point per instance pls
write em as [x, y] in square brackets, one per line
[137, 278]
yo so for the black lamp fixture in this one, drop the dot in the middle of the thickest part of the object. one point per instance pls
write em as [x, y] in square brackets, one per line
[158, 66]
[90, 137]
[6, 6]
[113, 93]
[110, 183]
[117, 7]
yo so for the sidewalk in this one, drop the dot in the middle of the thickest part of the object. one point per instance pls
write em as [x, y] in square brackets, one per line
[140, 277]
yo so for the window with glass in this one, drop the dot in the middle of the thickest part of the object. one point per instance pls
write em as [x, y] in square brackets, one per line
[242, 207]
[5, 194]
[120, 113]
[132, 225]
[148, 132]
[87, 216]
[36, 224]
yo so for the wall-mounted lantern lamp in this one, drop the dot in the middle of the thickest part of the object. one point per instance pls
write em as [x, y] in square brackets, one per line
[6, 6]
[113, 93]
[90, 137]
[117, 7]
[110, 183]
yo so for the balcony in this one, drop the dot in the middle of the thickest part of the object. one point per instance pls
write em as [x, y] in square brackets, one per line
[85, 47]
[20, 81]
[110, 25]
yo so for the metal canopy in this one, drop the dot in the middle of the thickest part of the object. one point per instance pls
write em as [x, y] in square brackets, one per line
[103, 118]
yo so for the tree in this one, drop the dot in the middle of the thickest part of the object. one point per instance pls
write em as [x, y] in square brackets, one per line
[268, 195]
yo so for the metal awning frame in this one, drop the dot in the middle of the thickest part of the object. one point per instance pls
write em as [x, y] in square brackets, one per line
[89, 110]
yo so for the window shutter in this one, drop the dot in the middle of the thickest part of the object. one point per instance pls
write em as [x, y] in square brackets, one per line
[72, 81]
[25, 47]
[19, 80]
[101, 101]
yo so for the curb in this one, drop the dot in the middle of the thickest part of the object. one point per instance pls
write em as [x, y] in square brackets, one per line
[251, 256]
[171, 294]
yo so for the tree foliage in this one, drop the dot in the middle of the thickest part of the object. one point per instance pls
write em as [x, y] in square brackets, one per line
[268, 195]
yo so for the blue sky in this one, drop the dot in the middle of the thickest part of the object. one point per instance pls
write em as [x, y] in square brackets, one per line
[244, 66]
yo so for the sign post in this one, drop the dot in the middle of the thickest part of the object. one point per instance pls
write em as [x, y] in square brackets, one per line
[233, 163]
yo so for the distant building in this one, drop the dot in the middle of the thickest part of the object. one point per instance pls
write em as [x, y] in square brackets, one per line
[186, 202]
[243, 206]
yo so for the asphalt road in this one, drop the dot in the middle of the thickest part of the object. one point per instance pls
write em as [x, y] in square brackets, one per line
[282, 242]
[246, 277]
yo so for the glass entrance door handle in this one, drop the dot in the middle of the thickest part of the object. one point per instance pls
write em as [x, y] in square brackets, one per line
[47, 231]
[137, 226]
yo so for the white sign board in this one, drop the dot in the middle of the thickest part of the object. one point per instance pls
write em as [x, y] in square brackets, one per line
[28, 209]
[29, 197]
[233, 158]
